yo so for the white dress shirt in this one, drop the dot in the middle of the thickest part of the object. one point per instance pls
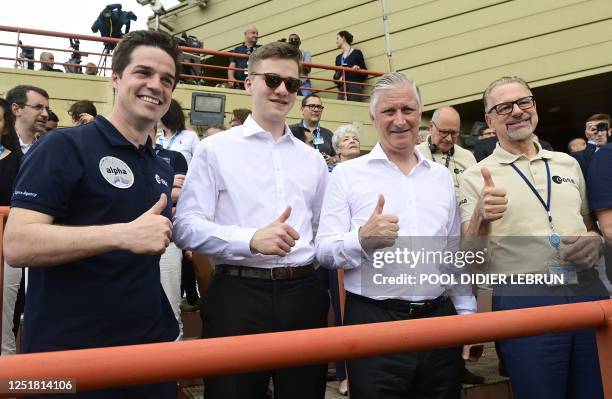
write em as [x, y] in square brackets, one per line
[185, 142]
[242, 180]
[424, 201]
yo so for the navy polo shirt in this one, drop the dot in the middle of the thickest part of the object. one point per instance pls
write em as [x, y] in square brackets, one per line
[242, 62]
[599, 179]
[91, 175]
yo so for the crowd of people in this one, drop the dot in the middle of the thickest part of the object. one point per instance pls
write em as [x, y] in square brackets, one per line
[266, 213]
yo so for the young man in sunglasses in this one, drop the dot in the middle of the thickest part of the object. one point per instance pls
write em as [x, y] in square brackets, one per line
[529, 206]
[441, 145]
[311, 132]
[242, 206]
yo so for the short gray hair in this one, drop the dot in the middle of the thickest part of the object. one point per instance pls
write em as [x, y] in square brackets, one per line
[500, 82]
[341, 131]
[389, 81]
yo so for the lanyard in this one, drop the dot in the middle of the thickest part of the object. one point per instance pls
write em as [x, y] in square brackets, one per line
[448, 157]
[555, 239]
[317, 134]
[170, 142]
[343, 58]
[1, 149]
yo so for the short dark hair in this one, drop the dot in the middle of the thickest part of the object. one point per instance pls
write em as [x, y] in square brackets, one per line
[241, 114]
[53, 116]
[19, 94]
[305, 99]
[174, 119]
[82, 107]
[122, 55]
[599, 117]
[346, 36]
[9, 138]
[278, 50]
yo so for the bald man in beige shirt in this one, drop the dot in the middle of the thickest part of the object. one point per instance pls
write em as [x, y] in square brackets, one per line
[529, 205]
[441, 145]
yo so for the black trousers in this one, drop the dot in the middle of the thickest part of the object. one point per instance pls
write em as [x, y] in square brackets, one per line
[238, 306]
[434, 374]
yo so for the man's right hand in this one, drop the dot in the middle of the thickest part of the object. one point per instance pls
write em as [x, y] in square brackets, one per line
[151, 233]
[381, 230]
[276, 238]
[493, 200]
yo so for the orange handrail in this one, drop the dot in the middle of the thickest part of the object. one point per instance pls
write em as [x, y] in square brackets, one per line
[189, 50]
[110, 367]
[4, 211]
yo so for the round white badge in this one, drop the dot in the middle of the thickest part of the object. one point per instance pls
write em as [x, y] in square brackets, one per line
[116, 172]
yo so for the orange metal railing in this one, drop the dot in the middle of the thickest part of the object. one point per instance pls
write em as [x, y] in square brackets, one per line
[198, 66]
[110, 367]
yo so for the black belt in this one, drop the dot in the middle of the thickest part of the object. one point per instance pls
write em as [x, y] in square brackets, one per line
[275, 273]
[587, 275]
[401, 305]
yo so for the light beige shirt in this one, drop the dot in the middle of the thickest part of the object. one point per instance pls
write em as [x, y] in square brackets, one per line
[459, 162]
[519, 241]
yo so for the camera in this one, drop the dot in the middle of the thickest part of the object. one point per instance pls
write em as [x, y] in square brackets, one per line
[27, 52]
[602, 127]
[75, 58]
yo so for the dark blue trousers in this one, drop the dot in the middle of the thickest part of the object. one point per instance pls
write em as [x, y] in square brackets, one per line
[555, 365]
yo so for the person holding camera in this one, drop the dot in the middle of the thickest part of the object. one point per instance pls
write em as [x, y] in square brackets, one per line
[305, 56]
[597, 130]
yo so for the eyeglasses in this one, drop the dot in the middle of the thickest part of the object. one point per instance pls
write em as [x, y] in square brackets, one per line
[273, 80]
[507, 107]
[445, 133]
[314, 107]
[38, 107]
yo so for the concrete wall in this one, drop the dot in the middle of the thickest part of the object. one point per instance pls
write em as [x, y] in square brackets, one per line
[64, 89]
[452, 48]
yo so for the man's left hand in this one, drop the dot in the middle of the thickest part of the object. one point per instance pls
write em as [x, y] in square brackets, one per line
[583, 250]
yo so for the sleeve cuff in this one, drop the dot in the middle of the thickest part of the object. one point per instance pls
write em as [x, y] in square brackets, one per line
[353, 249]
[241, 241]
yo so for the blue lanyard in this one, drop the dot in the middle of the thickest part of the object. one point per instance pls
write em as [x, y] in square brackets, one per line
[1, 149]
[555, 239]
[343, 59]
[546, 204]
[170, 142]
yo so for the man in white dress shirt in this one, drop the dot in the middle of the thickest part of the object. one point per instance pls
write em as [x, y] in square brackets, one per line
[371, 201]
[243, 206]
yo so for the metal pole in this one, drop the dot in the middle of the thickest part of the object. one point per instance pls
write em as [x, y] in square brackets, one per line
[385, 17]
[17, 63]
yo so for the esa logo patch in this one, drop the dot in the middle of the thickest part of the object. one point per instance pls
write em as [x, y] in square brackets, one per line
[160, 180]
[116, 172]
[559, 180]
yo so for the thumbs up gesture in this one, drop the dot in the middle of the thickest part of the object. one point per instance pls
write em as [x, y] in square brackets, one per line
[151, 232]
[277, 238]
[380, 231]
[493, 200]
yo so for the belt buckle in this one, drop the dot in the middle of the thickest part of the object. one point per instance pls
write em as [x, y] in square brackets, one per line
[272, 274]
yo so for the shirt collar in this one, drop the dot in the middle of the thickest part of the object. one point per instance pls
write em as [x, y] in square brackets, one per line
[506, 157]
[251, 128]
[378, 153]
[307, 128]
[115, 138]
[24, 147]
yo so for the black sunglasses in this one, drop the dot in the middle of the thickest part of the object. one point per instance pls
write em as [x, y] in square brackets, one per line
[273, 80]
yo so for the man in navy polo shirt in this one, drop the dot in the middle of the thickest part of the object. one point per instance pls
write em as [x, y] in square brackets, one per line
[251, 34]
[92, 224]
[600, 198]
